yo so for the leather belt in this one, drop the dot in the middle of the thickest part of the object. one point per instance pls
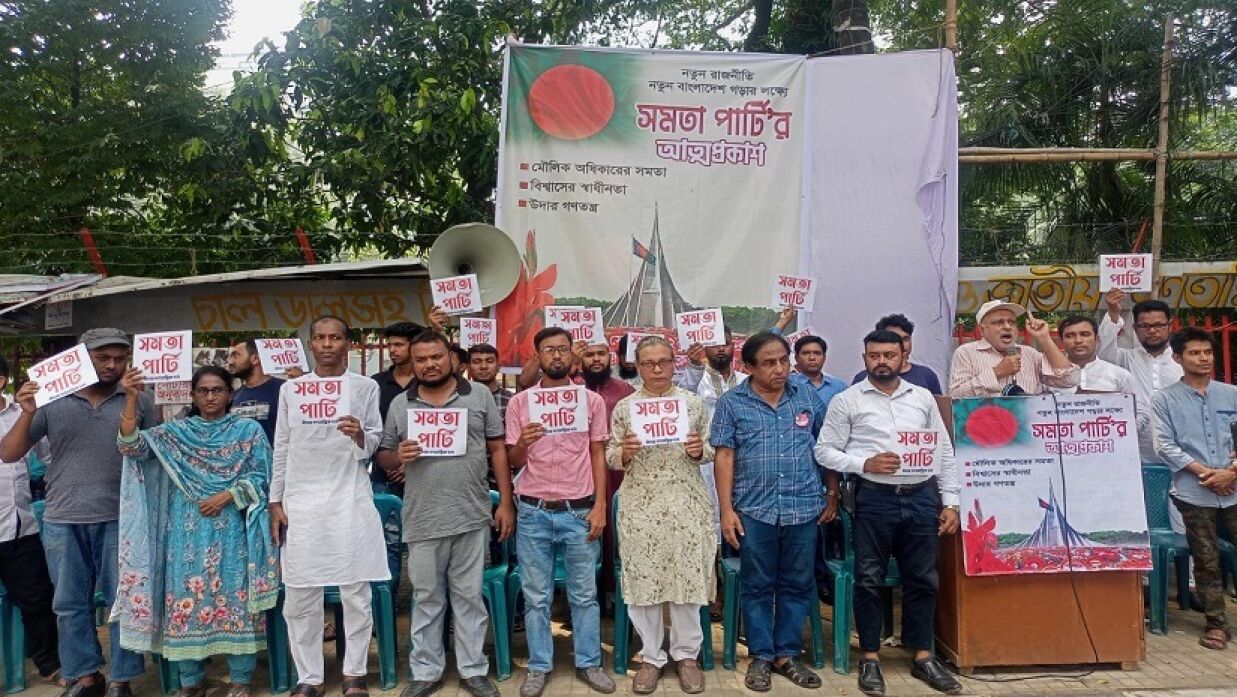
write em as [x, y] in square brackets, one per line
[558, 504]
[898, 489]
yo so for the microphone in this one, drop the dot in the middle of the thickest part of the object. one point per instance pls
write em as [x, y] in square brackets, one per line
[1012, 389]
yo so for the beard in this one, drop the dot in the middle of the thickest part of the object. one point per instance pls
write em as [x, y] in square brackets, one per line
[437, 382]
[596, 378]
[556, 373]
[243, 373]
[628, 373]
[883, 377]
[721, 363]
[1156, 347]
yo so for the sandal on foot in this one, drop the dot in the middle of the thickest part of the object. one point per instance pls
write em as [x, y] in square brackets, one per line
[354, 687]
[1215, 638]
[795, 671]
[307, 690]
[758, 678]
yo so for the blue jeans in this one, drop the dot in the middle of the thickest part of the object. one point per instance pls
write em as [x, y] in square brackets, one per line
[79, 557]
[778, 585]
[904, 526]
[240, 670]
[538, 533]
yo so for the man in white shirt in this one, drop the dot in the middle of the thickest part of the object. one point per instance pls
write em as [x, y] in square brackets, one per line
[323, 514]
[23, 568]
[1151, 363]
[1078, 339]
[897, 514]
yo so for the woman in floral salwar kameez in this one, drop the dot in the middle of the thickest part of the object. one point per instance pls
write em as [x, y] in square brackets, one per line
[197, 567]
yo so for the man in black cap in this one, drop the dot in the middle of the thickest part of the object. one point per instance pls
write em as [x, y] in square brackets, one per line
[83, 505]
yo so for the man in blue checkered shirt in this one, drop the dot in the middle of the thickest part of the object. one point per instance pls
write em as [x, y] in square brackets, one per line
[771, 499]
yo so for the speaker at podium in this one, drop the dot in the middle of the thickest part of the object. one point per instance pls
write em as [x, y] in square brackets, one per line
[481, 249]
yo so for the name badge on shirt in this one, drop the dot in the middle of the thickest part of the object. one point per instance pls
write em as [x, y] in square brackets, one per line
[802, 420]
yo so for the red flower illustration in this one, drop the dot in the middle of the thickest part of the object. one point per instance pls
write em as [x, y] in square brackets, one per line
[520, 314]
[979, 543]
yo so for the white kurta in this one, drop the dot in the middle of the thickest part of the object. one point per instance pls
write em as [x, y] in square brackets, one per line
[334, 533]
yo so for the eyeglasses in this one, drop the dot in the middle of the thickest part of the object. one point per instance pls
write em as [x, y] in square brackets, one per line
[659, 365]
[210, 391]
[1148, 327]
[561, 350]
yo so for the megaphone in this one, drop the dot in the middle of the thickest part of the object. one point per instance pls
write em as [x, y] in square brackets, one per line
[479, 249]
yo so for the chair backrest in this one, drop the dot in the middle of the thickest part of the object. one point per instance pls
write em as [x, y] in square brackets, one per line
[37, 507]
[390, 512]
[848, 549]
[614, 501]
[1157, 480]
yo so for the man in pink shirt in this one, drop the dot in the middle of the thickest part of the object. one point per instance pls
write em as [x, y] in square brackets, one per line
[563, 468]
[998, 365]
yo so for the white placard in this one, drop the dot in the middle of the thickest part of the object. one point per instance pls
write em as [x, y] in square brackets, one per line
[1129, 272]
[173, 393]
[559, 409]
[633, 340]
[798, 292]
[792, 337]
[702, 327]
[918, 449]
[457, 295]
[315, 401]
[62, 374]
[478, 330]
[278, 355]
[584, 323]
[164, 356]
[441, 432]
[58, 315]
[659, 420]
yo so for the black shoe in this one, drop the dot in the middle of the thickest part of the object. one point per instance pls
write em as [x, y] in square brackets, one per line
[758, 678]
[479, 686]
[77, 689]
[871, 682]
[932, 672]
[119, 689]
[421, 688]
[797, 672]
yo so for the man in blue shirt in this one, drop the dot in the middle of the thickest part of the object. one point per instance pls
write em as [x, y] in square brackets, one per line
[771, 499]
[258, 396]
[1193, 424]
[810, 372]
[913, 373]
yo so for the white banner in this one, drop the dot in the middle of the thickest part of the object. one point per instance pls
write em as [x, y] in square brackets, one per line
[164, 356]
[659, 420]
[1129, 272]
[62, 374]
[457, 295]
[559, 409]
[441, 432]
[278, 355]
[315, 401]
[478, 330]
[881, 201]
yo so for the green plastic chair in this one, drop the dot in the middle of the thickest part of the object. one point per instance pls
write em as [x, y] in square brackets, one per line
[731, 618]
[13, 651]
[622, 622]
[1168, 546]
[494, 593]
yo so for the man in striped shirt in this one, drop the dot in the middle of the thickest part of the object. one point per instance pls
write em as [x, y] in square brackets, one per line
[997, 365]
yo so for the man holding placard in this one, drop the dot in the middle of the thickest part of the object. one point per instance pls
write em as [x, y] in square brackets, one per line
[557, 431]
[80, 531]
[890, 434]
[322, 508]
[444, 432]
[771, 498]
[658, 437]
[1151, 362]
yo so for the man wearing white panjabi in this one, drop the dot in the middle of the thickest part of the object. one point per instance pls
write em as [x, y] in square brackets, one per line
[323, 514]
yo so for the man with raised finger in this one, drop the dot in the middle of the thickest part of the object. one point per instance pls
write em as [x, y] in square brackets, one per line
[997, 364]
[446, 511]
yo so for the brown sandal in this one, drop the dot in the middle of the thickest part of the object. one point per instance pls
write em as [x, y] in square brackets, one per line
[307, 690]
[1215, 638]
[354, 687]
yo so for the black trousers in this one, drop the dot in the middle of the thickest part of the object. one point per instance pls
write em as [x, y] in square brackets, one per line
[23, 571]
[904, 527]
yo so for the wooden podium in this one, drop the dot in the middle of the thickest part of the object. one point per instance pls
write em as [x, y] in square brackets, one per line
[1034, 619]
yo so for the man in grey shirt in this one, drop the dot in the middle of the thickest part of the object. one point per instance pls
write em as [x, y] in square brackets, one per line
[447, 513]
[83, 505]
[1193, 421]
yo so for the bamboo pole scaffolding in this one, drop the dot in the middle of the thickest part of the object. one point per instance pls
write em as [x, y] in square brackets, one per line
[983, 155]
[1161, 155]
